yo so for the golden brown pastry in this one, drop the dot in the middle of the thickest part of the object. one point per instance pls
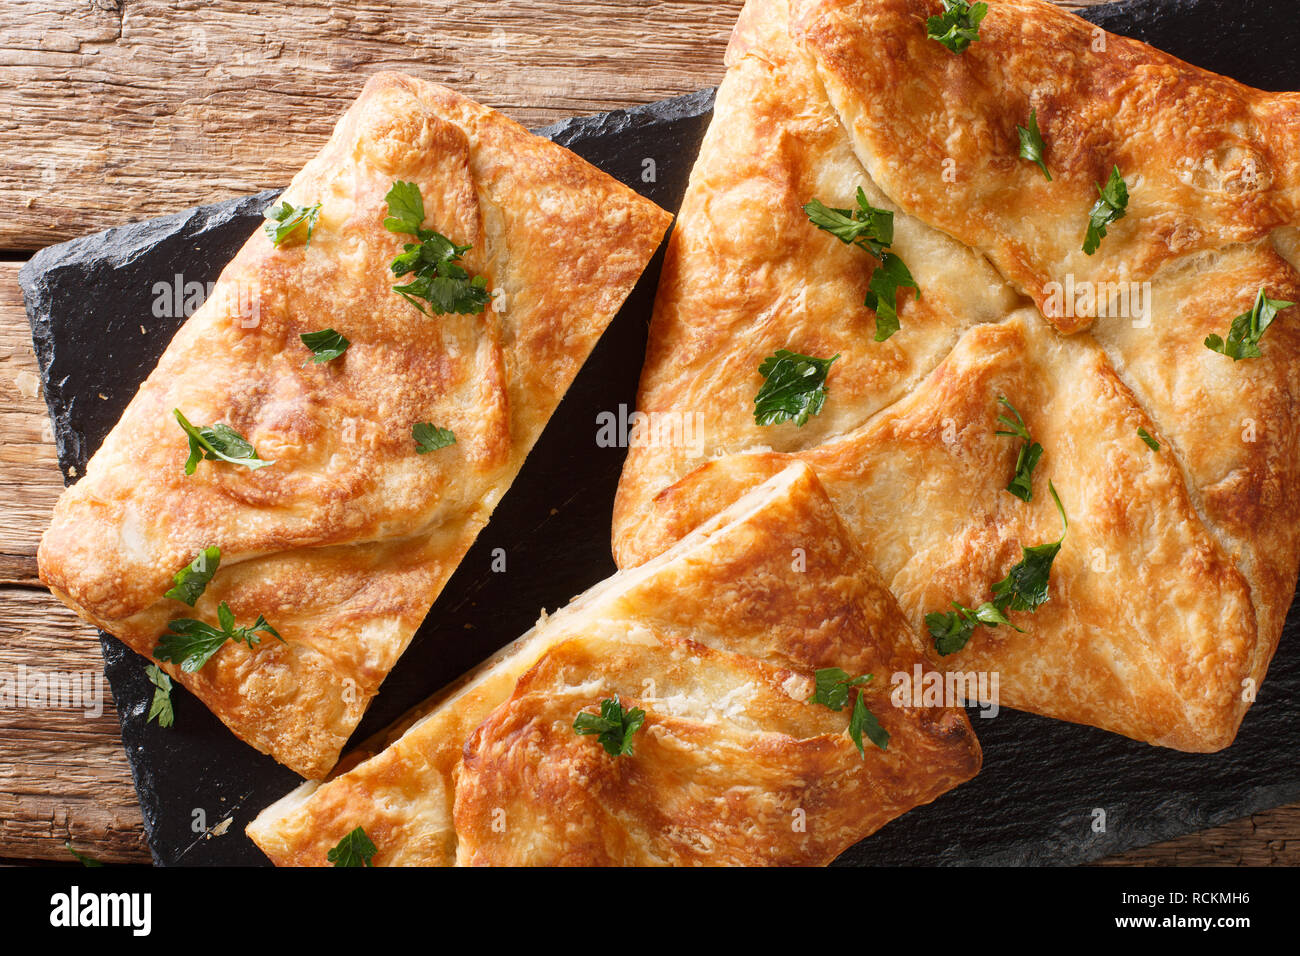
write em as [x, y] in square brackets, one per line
[345, 541]
[717, 640]
[1167, 598]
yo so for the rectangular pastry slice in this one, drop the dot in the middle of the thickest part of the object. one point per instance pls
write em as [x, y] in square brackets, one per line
[289, 490]
[728, 754]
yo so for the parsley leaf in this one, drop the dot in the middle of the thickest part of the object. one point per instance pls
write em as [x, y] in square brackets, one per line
[1248, 328]
[1110, 207]
[882, 297]
[1146, 437]
[82, 858]
[1025, 586]
[863, 721]
[162, 696]
[794, 388]
[433, 261]
[959, 24]
[428, 437]
[831, 689]
[1032, 146]
[191, 643]
[614, 725]
[283, 220]
[218, 443]
[189, 583]
[326, 345]
[866, 227]
[355, 849]
[951, 630]
[871, 230]
[1022, 483]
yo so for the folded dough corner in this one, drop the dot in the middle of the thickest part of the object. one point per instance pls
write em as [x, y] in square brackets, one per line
[717, 640]
[1168, 595]
[345, 540]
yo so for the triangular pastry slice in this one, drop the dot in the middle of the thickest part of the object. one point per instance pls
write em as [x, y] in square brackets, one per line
[1167, 597]
[718, 641]
[343, 543]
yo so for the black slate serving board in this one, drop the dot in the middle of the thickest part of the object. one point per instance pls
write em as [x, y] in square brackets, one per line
[94, 303]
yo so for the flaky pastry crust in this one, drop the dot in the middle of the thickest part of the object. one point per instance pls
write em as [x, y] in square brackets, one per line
[344, 543]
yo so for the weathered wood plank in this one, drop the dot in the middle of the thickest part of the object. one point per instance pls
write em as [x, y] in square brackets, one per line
[63, 773]
[114, 111]
[30, 481]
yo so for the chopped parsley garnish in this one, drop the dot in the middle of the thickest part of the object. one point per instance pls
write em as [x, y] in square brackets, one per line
[1146, 437]
[831, 689]
[189, 583]
[951, 630]
[959, 24]
[355, 849]
[82, 858]
[866, 227]
[794, 388]
[1110, 207]
[191, 643]
[1022, 484]
[162, 696]
[433, 262]
[871, 230]
[218, 443]
[326, 345]
[1248, 328]
[284, 220]
[1032, 146]
[1025, 588]
[429, 437]
[614, 725]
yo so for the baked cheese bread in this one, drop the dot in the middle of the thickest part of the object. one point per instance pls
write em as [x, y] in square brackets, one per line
[1176, 464]
[718, 641]
[343, 530]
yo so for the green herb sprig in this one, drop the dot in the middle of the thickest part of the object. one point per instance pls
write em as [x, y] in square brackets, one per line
[326, 345]
[959, 24]
[192, 643]
[831, 689]
[1025, 588]
[432, 262]
[1111, 206]
[284, 220]
[355, 849]
[429, 437]
[794, 388]
[218, 443]
[189, 583]
[161, 707]
[1032, 146]
[614, 726]
[871, 230]
[1022, 483]
[1248, 328]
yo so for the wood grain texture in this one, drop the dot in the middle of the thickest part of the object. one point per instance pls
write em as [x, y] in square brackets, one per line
[117, 110]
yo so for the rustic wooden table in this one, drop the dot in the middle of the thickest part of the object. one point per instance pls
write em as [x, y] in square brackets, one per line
[117, 110]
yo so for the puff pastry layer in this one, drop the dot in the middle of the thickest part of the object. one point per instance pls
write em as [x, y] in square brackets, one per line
[717, 640]
[344, 543]
[1168, 598]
